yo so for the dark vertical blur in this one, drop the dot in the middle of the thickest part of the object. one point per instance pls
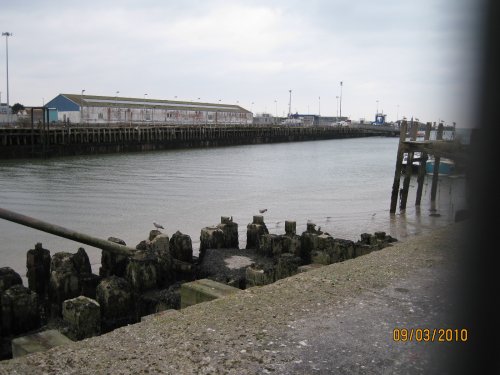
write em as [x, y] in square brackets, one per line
[478, 289]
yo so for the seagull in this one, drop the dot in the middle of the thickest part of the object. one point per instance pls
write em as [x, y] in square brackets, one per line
[263, 210]
[158, 226]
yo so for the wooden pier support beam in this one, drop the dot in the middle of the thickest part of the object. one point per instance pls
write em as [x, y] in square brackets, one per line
[399, 165]
[408, 170]
[421, 167]
[437, 160]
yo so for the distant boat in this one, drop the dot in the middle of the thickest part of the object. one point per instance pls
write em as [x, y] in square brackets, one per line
[446, 166]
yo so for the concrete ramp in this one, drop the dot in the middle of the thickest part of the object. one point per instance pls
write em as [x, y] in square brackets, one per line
[203, 290]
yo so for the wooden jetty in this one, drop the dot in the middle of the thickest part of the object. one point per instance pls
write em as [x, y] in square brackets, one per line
[59, 140]
[439, 148]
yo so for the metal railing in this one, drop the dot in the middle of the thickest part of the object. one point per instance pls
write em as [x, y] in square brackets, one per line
[70, 234]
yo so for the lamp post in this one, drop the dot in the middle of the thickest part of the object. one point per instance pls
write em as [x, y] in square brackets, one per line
[337, 97]
[144, 109]
[340, 98]
[81, 107]
[397, 113]
[276, 109]
[290, 104]
[376, 113]
[6, 35]
[319, 105]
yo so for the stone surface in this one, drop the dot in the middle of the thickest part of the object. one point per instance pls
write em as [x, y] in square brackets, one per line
[38, 342]
[203, 290]
[336, 319]
[162, 315]
[309, 267]
[83, 316]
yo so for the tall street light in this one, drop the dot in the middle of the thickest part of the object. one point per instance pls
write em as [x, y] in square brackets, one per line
[397, 113]
[319, 104]
[6, 35]
[337, 106]
[340, 98]
[276, 109]
[290, 104]
[376, 113]
[144, 109]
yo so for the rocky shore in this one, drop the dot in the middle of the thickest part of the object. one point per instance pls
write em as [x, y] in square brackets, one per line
[338, 318]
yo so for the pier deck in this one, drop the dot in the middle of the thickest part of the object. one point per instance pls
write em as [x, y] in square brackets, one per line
[76, 140]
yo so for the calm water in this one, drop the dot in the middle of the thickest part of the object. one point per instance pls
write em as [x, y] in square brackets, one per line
[344, 186]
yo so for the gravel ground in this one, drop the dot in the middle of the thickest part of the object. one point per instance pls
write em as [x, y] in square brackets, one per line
[335, 319]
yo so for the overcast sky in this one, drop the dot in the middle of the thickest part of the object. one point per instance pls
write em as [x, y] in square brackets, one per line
[415, 57]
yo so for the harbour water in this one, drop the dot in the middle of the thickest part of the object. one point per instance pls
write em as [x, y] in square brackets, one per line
[343, 186]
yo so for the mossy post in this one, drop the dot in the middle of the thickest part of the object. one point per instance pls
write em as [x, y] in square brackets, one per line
[399, 165]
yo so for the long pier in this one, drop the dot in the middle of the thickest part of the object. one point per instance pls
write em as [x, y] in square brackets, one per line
[78, 140]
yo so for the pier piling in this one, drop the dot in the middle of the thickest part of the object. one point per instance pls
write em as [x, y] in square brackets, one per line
[399, 165]
[421, 167]
[437, 160]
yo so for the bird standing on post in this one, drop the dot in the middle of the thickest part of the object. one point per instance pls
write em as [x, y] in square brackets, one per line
[263, 210]
[158, 226]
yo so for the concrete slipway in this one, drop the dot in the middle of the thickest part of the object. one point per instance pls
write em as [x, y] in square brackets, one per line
[338, 319]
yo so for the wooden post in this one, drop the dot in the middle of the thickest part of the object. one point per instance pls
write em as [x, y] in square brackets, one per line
[437, 160]
[421, 168]
[408, 170]
[397, 171]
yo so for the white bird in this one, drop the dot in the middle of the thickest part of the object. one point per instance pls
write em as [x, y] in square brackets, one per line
[158, 226]
[263, 210]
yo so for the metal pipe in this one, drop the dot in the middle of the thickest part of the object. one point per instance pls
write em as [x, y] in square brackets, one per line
[66, 233]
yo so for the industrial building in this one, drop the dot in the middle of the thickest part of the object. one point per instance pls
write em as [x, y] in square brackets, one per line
[115, 110]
